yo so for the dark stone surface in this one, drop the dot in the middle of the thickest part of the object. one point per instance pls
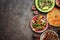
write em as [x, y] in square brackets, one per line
[15, 16]
[14, 19]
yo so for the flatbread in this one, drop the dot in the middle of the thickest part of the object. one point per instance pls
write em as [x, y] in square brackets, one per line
[53, 17]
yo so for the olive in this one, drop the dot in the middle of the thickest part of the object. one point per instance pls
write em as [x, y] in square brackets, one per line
[36, 12]
[33, 8]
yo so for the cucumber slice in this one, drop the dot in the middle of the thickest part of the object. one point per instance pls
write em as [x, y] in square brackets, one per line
[46, 7]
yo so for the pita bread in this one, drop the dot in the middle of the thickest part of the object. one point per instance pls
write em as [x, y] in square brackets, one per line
[53, 17]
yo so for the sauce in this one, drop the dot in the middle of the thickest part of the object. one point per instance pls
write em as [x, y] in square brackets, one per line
[50, 36]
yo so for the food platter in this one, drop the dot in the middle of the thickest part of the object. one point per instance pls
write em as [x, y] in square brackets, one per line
[39, 23]
[49, 15]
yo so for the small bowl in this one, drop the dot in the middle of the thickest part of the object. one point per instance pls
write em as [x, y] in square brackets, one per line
[42, 35]
[58, 3]
[41, 30]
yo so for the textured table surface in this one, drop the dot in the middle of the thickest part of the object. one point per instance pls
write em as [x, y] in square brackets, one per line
[15, 16]
[14, 19]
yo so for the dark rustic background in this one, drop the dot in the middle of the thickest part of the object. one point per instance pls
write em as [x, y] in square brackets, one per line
[15, 16]
[14, 19]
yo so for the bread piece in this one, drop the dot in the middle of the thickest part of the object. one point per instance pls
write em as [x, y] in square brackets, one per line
[53, 17]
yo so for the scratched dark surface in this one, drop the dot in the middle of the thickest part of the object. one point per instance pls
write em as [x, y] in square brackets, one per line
[15, 16]
[14, 19]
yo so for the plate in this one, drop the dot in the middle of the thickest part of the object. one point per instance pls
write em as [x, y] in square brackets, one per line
[43, 8]
[36, 27]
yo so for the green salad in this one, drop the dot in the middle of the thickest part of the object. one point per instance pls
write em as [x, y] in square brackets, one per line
[39, 23]
[45, 5]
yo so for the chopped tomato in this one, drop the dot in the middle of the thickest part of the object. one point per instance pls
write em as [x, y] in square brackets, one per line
[35, 18]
